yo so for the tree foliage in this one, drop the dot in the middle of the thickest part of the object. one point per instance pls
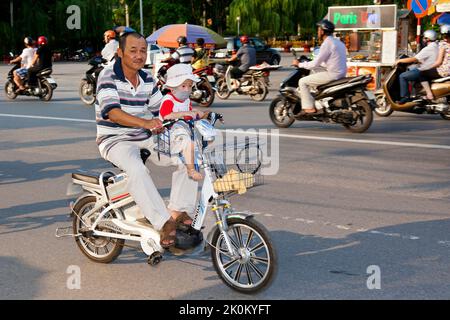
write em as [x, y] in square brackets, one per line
[279, 17]
[264, 17]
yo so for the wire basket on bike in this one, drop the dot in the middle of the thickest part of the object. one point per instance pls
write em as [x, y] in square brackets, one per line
[162, 141]
[236, 167]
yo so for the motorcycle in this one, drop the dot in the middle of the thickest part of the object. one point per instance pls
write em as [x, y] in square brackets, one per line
[202, 92]
[88, 85]
[388, 96]
[105, 215]
[253, 83]
[345, 101]
[44, 88]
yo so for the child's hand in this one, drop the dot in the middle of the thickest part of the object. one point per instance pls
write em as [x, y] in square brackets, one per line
[198, 114]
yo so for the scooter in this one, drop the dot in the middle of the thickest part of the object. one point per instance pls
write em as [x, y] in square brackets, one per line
[254, 82]
[388, 96]
[105, 215]
[44, 88]
[345, 101]
[88, 85]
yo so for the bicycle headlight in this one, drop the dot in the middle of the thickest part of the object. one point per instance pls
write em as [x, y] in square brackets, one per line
[205, 128]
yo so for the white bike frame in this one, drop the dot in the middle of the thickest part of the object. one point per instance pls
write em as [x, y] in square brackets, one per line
[208, 197]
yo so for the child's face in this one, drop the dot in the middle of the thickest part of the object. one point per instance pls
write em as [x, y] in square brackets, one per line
[183, 91]
[186, 85]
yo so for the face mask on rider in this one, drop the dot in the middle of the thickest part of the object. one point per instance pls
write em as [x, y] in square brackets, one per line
[183, 91]
[181, 94]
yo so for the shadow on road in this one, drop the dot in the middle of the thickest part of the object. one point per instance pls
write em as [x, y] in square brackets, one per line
[412, 258]
[19, 281]
[12, 172]
[18, 219]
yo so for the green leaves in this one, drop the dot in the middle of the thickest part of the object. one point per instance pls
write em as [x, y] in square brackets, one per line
[279, 17]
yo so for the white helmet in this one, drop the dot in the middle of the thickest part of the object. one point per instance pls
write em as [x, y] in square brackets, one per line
[445, 29]
[430, 35]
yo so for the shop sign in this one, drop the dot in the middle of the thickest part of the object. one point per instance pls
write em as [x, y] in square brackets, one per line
[363, 17]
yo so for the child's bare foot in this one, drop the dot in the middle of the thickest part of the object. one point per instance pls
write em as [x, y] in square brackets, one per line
[195, 175]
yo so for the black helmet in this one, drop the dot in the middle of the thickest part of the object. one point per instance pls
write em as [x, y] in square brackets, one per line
[326, 25]
[200, 41]
[28, 41]
[182, 40]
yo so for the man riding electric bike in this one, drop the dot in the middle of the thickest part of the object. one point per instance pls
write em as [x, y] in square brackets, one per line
[333, 54]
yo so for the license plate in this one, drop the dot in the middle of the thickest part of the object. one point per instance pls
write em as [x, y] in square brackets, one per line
[51, 81]
[211, 79]
[370, 95]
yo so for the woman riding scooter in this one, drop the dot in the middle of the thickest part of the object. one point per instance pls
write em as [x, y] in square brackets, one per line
[441, 68]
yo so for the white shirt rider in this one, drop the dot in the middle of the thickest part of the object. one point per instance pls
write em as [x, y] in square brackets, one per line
[109, 51]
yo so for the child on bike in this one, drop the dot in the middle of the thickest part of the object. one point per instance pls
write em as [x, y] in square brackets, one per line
[177, 105]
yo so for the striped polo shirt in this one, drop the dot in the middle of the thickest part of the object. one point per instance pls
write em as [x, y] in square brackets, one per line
[115, 91]
[184, 54]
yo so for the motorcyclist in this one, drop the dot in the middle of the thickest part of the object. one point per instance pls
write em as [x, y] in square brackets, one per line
[110, 49]
[200, 59]
[183, 54]
[42, 60]
[247, 56]
[441, 67]
[334, 57]
[426, 58]
[25, 59]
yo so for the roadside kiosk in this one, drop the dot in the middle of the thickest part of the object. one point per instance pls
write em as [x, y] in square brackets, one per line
[371, 37]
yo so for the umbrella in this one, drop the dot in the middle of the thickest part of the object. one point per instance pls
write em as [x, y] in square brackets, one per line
[167, 35]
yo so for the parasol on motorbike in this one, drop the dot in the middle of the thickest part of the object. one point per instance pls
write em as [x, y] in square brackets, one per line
[167, 36]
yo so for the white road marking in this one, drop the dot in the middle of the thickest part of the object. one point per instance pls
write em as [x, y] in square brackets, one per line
[361, 141]
[44, 118]
[283, 135]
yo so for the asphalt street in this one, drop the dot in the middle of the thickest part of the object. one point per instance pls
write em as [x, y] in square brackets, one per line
[339, 204]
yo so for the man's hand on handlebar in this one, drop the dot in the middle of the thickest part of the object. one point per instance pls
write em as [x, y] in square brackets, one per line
[295, 62]
[154, 125]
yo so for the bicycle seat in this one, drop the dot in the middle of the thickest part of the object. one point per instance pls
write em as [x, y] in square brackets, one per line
[91, 177]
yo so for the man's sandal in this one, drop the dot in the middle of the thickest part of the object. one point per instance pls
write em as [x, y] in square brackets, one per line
[181, 221]
[168, 234]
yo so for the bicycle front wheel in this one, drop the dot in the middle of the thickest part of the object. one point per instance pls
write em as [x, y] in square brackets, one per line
[255, 267]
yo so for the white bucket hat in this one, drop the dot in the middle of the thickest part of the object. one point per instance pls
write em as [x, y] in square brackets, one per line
[178, 73]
